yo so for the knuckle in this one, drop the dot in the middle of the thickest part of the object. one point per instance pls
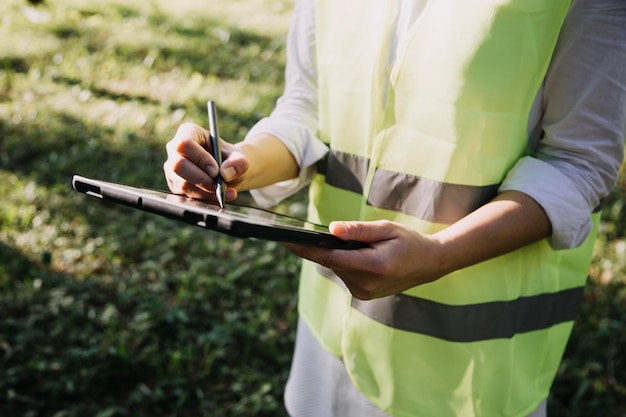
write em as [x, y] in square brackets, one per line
[184, 187]
[185, 134]
[187, 129]
[176, 147]
[182, 146]
[370, 287]
[360, 287]
[177, 166]
[361, 293]
[170, 147]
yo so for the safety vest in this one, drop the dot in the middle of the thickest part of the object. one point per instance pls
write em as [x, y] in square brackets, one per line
[424, 143]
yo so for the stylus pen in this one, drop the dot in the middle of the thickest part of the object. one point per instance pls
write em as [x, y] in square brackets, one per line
[220, 190]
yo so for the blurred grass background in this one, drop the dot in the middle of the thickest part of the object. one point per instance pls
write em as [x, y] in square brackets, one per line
[105, 311]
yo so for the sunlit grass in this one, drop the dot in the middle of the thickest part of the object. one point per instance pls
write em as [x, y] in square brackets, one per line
[175, 58]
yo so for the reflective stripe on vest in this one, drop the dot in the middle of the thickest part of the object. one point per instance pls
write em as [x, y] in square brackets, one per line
[469, 323]
[451, 201]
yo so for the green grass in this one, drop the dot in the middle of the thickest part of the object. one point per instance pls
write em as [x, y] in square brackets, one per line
[105, 311]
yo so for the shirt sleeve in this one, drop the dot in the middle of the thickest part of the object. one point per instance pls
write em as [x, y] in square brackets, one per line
[577, 159]
[294, 119]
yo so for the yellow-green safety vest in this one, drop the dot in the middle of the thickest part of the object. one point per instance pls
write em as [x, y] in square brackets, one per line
[424, 143]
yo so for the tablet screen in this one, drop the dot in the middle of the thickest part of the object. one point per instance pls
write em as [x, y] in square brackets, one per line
[235, 220]
[233, 211]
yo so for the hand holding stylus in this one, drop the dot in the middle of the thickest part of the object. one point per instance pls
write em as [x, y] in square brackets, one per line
[191, 169]
[198, 164]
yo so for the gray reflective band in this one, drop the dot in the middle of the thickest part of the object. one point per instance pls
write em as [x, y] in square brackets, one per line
[345, 171]
[427, 199]
[468, 323]
[424, 198]
[475, 322]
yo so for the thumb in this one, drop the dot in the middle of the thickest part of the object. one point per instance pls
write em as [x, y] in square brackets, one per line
[366, 232]
[234, 166]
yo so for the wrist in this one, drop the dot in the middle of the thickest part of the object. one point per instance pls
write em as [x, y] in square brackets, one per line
[269, 161]
[442, 255]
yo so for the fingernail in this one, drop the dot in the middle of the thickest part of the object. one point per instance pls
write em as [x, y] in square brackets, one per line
[228, 173]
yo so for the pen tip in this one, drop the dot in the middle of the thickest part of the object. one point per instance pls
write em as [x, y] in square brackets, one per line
[219, 195]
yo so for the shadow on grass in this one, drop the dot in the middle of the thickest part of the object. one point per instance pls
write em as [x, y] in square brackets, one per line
[73, 346]
[152, 332]
[50, 340]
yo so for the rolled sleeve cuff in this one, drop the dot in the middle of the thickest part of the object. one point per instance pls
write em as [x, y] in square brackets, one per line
[566, 208]
[271, 195]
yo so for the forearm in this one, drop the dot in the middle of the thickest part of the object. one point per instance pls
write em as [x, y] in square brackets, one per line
[269, 161]
[509, 222]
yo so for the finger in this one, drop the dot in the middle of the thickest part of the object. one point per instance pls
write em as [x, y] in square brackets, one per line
[335, 259]
[179, 185]
[352, 273]
[196, 154]
[366, 232]
[322, 256]
[191, 143]
[193, 132]
[191, 173]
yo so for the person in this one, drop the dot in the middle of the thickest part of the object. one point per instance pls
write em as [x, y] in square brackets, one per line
[469, 145]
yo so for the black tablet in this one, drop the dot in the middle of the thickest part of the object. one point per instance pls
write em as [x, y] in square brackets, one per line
[235, 220]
